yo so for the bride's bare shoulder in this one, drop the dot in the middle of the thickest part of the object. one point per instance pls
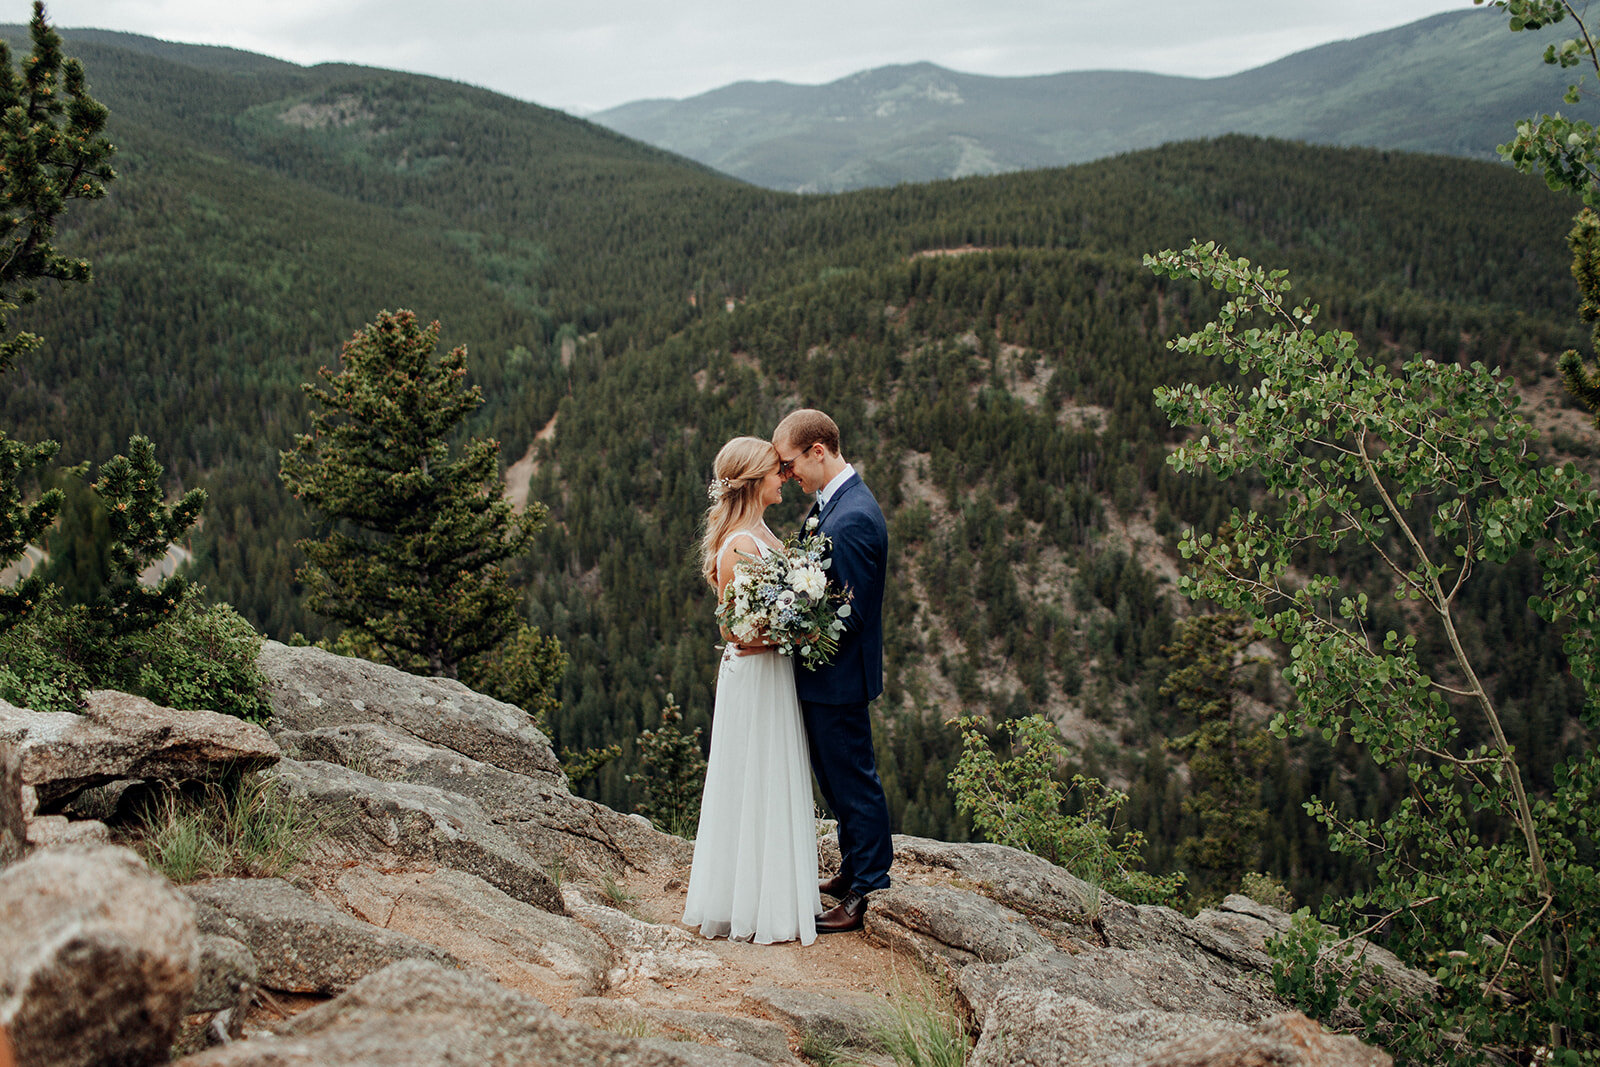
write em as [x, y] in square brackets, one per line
[741, 540]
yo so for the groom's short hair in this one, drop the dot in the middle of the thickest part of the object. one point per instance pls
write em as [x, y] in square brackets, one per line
[808, 427]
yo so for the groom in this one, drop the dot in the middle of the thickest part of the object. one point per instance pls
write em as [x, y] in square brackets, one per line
[834, 698]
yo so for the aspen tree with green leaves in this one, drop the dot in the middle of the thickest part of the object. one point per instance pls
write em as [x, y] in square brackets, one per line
[1427, 472]
[1566, 151]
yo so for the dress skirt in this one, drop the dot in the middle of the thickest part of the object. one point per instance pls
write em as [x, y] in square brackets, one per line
[755, 853]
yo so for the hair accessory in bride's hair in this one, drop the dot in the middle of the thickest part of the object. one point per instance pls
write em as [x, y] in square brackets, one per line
[718, 489]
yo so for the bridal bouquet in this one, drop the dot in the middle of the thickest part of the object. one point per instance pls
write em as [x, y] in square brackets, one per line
[783, 597]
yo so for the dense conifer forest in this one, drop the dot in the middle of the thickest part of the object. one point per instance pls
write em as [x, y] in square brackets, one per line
[989, 346]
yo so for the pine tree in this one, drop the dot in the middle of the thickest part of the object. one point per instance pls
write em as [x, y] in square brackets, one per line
[411, 565]
[672, 772]
[1581, 381]
[51, 151]
[1226, 755]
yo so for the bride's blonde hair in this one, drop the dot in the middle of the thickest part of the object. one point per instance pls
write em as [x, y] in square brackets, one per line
[735, 494]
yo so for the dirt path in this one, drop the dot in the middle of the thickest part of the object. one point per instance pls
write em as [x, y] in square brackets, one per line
[833, 963]
[518, 473]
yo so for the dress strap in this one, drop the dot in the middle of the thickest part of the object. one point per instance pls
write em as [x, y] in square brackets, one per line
[730, 540]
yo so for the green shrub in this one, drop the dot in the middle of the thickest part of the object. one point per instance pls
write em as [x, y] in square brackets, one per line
[198, 657]
[40, 658]
[1022, 802]
[1265, 889]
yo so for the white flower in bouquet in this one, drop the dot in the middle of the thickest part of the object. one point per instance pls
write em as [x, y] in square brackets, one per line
[808, 580]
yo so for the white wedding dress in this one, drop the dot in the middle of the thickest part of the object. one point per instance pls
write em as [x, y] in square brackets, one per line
[755, 854]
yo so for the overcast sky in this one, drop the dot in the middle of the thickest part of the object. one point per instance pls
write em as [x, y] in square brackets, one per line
[584, 55]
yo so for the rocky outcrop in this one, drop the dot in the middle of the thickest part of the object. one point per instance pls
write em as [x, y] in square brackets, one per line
[946, 928]
[642, 952]
[302, 945]
[1006, 920]
[311, 689]
[1240, 928]
[99, 960]
[527, 949]
[121, 737]
[455, 886]
[418, 1014]
[835, 1018]
[399, 825]
[767, 1042]
[537, 812]
[1043, 1028]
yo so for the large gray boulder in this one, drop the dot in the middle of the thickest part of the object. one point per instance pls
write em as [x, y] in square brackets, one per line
[1020, 880]
[1290, 1039]
[120, 736]
[525, 948]
[99, 958]
[1043, 1028]
[1124, 980]
[226, 975]
[587, 840]
[401, 825]
[417, 1014]
[947, 928]
[767, 1042]
[840, 1018]
[1007, 919]
[1240, 929]
[13, 827]
[301, 945]
[310, 689]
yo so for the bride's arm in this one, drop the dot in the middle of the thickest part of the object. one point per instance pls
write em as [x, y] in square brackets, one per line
[741, 546]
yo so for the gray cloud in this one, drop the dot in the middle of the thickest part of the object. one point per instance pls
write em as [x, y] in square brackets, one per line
[583, 56]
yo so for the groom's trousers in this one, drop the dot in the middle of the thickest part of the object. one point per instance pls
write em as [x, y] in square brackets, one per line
[842, 758]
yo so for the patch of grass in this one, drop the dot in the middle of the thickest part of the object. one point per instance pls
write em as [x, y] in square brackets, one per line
[824, 1051]
[922, 1026]
[631, 1026]
[618, 897]
[244, 825]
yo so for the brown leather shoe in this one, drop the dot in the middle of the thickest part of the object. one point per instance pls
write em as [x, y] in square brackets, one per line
[846, 915]
[835, 887]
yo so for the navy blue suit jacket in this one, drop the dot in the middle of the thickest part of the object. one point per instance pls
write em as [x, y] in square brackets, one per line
[854, 522]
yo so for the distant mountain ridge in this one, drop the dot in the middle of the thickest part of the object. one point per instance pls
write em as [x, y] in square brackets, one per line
[1452, 84]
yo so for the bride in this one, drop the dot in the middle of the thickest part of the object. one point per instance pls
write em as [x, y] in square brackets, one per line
[755, 855]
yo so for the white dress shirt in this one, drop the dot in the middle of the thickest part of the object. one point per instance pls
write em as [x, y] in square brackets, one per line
[825, 494]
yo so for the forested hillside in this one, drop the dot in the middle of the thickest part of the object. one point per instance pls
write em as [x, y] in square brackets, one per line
[989, 346]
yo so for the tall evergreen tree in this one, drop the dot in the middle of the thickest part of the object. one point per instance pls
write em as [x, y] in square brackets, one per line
[1226, 756]
[51, 151]
[412, 563]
